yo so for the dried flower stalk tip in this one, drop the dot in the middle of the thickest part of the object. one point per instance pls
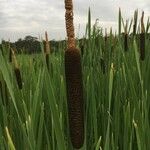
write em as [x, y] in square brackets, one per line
[74, 86]
[69, 23]
[135, 22]
[14, 59]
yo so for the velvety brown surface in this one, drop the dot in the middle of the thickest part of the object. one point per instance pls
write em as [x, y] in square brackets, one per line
[74, 83]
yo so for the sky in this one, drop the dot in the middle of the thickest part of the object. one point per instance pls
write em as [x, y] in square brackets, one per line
[19, 18]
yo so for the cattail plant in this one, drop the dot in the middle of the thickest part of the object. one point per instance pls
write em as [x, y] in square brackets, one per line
[74, 83]
[10, 54]
[142, 39]
[126, 37]
[47, 50]
[17, 70]
[135, 22]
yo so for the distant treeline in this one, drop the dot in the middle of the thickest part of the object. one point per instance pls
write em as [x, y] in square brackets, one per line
[30, 45]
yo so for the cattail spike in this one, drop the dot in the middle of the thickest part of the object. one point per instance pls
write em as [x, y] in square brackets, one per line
[135, 22]
[10, 53]
[126, 37]
[73, 72]
[142, 39]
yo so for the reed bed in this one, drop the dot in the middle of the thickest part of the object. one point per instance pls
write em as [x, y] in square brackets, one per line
[115, 86]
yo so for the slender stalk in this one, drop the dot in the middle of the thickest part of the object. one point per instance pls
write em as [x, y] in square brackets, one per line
[142, 39]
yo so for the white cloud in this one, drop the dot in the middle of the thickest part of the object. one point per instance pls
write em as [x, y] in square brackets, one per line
[22, 17]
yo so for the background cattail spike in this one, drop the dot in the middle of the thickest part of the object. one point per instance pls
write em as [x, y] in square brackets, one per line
[17, 70]
[142, 39]
[47, 47]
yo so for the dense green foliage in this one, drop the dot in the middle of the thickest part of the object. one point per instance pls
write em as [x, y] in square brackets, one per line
[116, 92]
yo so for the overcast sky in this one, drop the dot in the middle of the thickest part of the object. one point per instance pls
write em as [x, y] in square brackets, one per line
[19, 18]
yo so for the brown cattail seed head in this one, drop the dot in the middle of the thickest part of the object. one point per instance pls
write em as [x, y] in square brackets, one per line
[74, 84]
[142, 38]
[10, 55]
[135, 22]
[126, 42]
[126, 37]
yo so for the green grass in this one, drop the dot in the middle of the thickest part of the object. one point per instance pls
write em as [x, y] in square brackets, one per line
[117, 105]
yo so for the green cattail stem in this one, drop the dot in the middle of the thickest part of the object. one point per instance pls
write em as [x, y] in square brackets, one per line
[74, 84]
